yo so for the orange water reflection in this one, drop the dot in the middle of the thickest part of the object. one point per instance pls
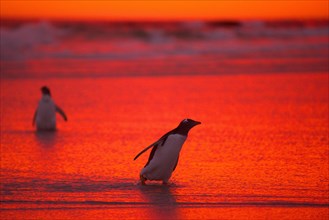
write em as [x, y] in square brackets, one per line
[263, 142]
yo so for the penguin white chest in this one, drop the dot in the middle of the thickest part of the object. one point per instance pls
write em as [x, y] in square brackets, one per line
[165, 158]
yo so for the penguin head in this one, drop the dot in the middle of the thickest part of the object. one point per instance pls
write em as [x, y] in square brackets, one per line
[45, 90]
[185, 126]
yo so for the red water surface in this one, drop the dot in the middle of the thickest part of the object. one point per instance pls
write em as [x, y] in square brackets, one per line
[260, 152]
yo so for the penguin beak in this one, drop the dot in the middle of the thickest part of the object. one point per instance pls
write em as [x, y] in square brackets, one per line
[196, 123]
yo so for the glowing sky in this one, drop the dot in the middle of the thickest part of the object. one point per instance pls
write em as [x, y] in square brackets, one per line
[164, 10]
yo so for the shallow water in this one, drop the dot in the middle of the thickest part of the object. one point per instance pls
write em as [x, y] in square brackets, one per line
[260, 152]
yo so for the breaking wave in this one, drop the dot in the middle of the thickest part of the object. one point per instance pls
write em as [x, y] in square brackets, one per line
[26, 43]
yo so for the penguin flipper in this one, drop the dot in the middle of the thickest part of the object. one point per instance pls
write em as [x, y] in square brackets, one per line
[163, 139]
[152, 145]
[175, 164]
[151, 154]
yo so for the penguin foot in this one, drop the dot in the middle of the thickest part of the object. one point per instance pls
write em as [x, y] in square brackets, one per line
[143, 179]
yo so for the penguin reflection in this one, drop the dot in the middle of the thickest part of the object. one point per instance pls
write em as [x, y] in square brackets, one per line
[46, 140]
[163, 204]
[45, 114]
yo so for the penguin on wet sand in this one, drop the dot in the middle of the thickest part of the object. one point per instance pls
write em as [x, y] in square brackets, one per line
[45, 114]
[164, 156]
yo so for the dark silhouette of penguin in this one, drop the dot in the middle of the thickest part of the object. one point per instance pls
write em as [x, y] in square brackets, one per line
[45, 114]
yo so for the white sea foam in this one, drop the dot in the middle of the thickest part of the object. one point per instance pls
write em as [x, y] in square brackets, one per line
[126, 42]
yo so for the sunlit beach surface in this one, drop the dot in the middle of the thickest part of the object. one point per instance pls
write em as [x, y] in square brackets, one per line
[263, 144]
[261, 151]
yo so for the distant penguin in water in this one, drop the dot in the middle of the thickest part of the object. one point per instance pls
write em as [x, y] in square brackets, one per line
[45, 114]
[164, 156]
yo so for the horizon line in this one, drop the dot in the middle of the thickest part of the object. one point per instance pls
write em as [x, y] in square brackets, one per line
[9, 19]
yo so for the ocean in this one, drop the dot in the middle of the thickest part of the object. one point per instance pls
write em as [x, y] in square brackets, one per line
[259, 88]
